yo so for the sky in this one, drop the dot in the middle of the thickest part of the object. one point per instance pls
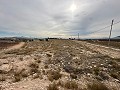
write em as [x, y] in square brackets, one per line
[59, 18]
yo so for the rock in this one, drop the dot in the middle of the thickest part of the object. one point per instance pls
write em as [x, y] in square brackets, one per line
[5, 68]
[3, 61]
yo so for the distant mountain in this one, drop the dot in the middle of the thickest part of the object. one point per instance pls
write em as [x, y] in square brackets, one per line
[118, 37]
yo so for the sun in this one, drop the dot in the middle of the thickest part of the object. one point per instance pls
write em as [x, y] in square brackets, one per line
[73, 7]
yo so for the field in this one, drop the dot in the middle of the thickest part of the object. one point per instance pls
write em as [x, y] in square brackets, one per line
[60, 65]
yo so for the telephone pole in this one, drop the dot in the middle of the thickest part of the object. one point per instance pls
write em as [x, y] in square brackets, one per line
[78, 36]
[110, 32]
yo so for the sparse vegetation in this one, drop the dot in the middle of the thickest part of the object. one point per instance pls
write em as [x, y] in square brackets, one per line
[2, 78]
[54, 75]
[52, 86]
[97, 86]
[71, 85]
[73, 76]
[46, 66]
[67, 64]
[16, 78]
[115, 75]
[96, 71]
[24, 73]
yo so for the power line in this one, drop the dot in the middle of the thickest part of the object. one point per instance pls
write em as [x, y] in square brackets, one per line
[102, 28]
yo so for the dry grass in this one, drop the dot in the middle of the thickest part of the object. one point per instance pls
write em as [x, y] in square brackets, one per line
[96, 70]
[112, 43]
[34, 67]
[46, 67]
[97, 86]
[38, 61]
[52, 87]
[25, 73]
[17, 75]
[54, 75]
[73, 76]
[71, 85]
[2, 77]
[16, 78]
[115, 75]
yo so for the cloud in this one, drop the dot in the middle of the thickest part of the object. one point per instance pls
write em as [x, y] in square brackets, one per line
[53, 18]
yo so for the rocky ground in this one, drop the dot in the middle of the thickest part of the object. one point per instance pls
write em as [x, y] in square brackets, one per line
[59, 65]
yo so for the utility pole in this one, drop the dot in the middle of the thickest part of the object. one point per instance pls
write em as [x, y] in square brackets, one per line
[78, 36]
[110, 32]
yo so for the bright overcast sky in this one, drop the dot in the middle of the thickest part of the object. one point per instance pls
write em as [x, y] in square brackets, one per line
[58, 18]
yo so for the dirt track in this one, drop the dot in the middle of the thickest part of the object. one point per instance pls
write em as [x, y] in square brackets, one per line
[75, 60]
[111, 52]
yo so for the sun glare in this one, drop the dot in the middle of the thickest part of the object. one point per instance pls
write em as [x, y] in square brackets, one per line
[73, 7]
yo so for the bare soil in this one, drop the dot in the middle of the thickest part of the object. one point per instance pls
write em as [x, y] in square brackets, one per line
[6, 44]
[59, 65]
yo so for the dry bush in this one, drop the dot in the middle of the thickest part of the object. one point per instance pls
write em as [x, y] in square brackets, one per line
[96, 70]
[3, 72]
[33, 70]
[49, 55]
[52, 87]
[38, 61]
[71, 85]
[36, 75]
[21, 58]
[44, 72]
[97, 86]
[118, 60]
[16, 78]
[34, 65]
[17, 75]
[2, 77]
[46, 66]
[54, 75]
[73, 76]
[115, 75]
[24, 73]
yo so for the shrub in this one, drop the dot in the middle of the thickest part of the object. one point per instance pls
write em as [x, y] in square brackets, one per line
[52, 87]
[96, 71]
[46, 66]
[114, 75]
[33, 68]
[71, 85]
[97, 86]
[17, 78]
[38, 61]
[73, 76]
[49, 55]
[24, 73]
[34, 65]
[36, 75]
[54, 75]
[2, 78]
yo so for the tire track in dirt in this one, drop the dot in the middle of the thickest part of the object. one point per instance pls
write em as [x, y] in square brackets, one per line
[111, 52]
[21, 44]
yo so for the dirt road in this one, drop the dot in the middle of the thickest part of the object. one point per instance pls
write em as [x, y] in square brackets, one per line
[16, 46]
[111, 52]
[13, 47]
